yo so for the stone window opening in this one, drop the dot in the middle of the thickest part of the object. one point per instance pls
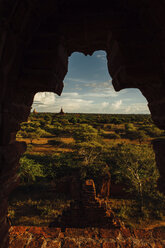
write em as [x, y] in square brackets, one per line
[43, 96]
[129, 32]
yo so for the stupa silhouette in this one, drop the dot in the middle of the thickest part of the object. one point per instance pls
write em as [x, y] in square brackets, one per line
[61, 111]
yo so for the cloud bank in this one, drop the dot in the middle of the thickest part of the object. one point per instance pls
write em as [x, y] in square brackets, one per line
[74, 102]
[88, 89]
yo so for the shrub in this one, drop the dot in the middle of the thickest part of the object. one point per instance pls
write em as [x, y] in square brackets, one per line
[154, 131]
[85, 133]
[42, 133]
[29, 170]
[135, 166]
[110, 135]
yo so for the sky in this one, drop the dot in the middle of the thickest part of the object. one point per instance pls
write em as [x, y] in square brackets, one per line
[88, 89]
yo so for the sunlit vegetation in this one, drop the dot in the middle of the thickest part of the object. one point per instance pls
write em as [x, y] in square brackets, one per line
[59, 145]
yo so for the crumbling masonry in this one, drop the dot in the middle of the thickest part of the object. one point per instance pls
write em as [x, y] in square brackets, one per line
[36, 38]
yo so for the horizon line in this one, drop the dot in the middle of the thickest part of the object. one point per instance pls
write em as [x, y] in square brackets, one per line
[93, 113]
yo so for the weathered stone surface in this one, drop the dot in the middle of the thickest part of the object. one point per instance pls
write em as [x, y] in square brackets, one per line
[140, 234]
[36, 242]
[70, 243]
[38, 36]
[90, 244]
[125, 243]
[159, 233]
[109, 244]
[109, 233]
[117, 190]
[84, 232]
[87, 211]
[79, 238]
[69, 185]
[104, 184]
[159, 244]
[46, 232]
[53, 244]
[159, 148]
[126, 233]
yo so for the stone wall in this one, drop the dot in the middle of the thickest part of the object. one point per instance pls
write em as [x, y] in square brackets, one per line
[36, 39]
[88, 211]
[40, 237]
[159, 148]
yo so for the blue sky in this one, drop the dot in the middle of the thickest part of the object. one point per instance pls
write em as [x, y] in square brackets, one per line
[88, 89]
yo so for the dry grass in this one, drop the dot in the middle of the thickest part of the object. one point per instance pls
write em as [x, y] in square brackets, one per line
[35, 141]
[126, 141]
[109, 132]
[68, 140]
[119, 141]
[36, 207]
[115, 126]
[45, 140]
[41, 145]
[49, 149]
[120, 205]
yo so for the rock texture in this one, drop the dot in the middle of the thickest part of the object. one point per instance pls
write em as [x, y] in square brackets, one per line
[88, 211]
[39, 237]
[36, 39]
[69, 185]
[159, 148]
[104, 184]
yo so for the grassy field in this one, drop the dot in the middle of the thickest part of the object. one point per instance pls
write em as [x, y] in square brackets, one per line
[39, 205]
[59, 144]
[36, 205]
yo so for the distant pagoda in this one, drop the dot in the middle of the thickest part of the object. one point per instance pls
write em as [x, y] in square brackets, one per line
[61, 111]
[34, 111]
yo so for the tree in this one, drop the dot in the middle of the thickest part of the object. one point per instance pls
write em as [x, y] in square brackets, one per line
[137, 135]
[73, 120]
[48, 118]
[32, 136]
[153, 131]
[141, 136]
[29, 170]
[112, 135]
[132, 133]
[135, 166]
[85, 133]
[90, 152]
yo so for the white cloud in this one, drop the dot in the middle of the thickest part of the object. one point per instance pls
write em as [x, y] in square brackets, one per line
[70, 94]
[105, 104]
[137, 108]
[78, 80]
[87, 103]
[77, 87]
[101, 56]
[89, 83]
[105, 94]
[93, 84]
[44, 99]
[71, 102]
[75, 105]
[116, 105]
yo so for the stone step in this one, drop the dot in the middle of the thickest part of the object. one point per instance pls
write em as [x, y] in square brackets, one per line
[89, 192]
[89, 196]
